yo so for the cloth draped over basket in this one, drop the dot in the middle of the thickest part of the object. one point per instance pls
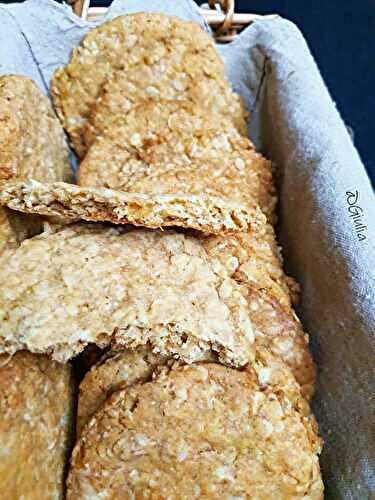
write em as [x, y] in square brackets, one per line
[323, 185]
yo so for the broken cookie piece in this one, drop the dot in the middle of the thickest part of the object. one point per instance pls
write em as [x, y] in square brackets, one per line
[92, 284]
[205, 213]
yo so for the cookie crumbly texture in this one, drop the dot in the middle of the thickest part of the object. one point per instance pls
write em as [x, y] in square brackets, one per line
[124, 368]
[32, 145]
[36, 406]
[219, 163]
[199, 431]
[278, 330]
[205, 213]
[254, 261]
[115, 100]
[115, 370]
[32, 141]
[93, 284]
[254, 258]
[148, 57]
[151, 120]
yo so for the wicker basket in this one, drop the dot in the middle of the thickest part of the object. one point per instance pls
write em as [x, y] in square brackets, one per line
[220, 15]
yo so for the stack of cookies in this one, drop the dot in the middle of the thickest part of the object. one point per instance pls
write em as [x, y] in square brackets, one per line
[202, 376]
[36, 392]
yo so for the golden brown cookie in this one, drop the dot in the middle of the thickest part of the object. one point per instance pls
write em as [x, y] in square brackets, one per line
[116, 103]
[199, 431]
[67, 201]
[114, 370]
[120, 369]
[32, 141]
[32, 145]
[253, 258]
[136, 58]
[278, 330]
[219, 163]
[254, 261]
[36, 425]
[93, 284]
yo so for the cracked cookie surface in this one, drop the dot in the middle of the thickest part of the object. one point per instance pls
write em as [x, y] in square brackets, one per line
[115, 370]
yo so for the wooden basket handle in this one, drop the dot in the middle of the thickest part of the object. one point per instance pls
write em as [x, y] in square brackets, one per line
[227, 8]
[224, 7]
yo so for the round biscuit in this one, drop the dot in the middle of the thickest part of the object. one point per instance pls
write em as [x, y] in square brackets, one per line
[114, 370]
[140, 57]
[199, 431]
[186, 160]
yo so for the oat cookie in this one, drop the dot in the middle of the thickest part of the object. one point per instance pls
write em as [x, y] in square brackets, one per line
[124, 368]
[199, 431]
[113, 371]
[141, 57]
[254, 261]
[218, 104]
[36, 406]
[120, 369]
[205, 213]
[89, 283]
[219, 163]
[278, 330]
[32, 145]
[32, 141]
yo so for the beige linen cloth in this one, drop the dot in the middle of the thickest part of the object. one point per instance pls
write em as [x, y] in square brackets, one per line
[327, 209]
